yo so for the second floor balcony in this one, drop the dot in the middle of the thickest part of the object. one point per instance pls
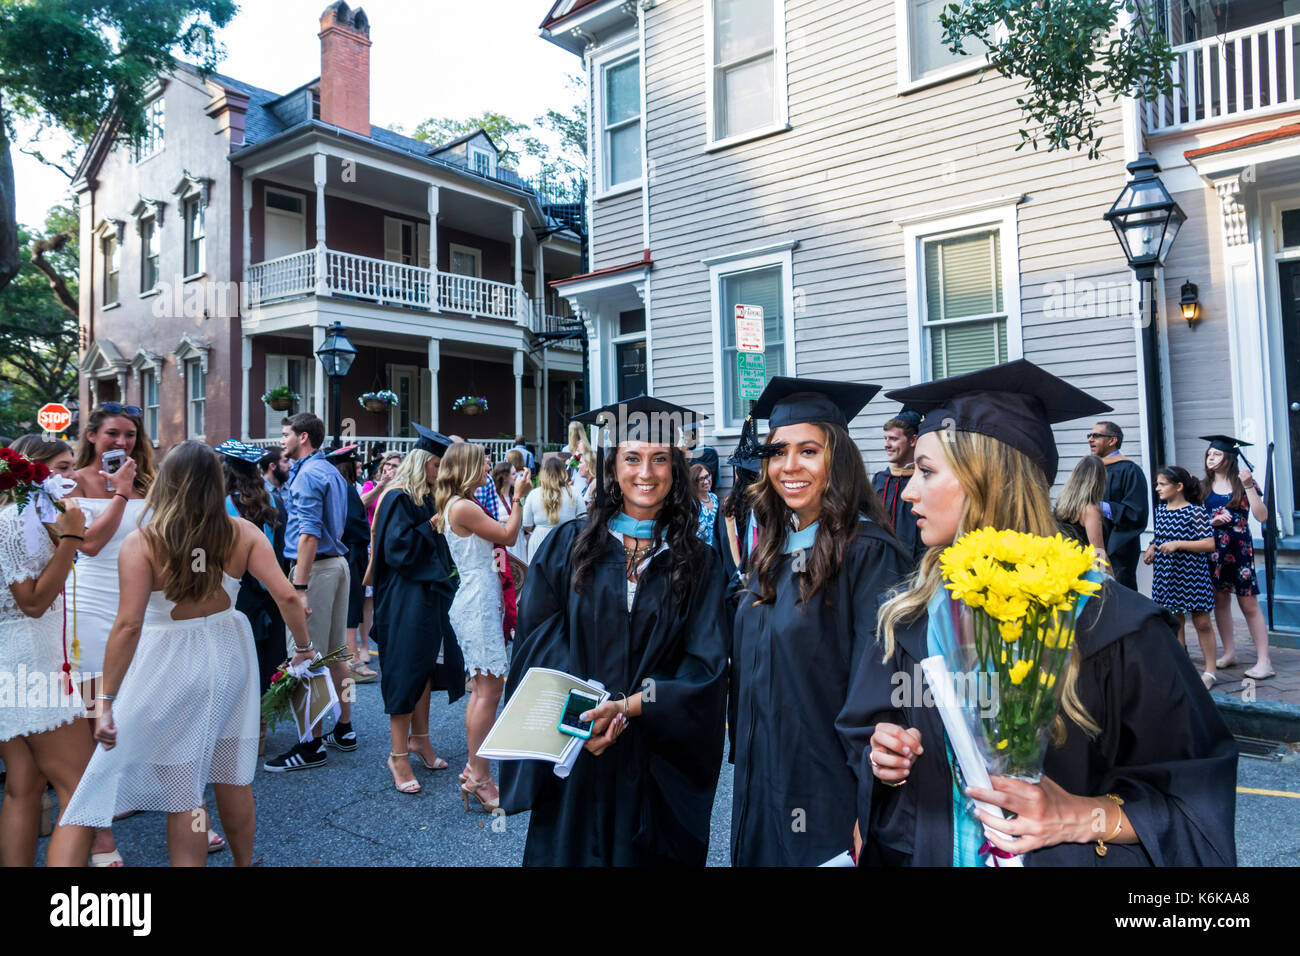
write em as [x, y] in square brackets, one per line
[1236, 74]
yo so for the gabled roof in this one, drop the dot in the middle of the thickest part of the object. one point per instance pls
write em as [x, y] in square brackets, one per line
[565, 8]
[465, 139]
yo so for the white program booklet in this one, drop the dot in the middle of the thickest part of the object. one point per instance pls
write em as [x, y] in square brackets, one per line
[528, 726]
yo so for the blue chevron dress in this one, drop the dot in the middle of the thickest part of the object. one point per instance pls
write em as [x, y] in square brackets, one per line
[1181, 580]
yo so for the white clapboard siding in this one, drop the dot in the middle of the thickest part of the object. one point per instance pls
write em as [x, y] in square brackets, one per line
[620, 230]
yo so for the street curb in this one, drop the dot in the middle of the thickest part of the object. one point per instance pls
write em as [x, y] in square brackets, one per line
[1264, 719]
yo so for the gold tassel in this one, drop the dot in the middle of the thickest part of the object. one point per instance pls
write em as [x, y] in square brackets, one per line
[76, 644]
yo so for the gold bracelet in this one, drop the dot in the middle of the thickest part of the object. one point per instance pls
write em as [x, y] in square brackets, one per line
[1119, 824]
[626, 706]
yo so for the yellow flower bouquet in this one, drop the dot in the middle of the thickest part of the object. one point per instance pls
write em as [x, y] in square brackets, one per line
[1018, 597]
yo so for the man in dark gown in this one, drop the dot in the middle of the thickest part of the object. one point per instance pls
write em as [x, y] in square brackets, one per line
[1126, 503]
[900, 446]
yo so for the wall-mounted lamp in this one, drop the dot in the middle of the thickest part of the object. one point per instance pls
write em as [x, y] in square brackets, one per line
[1191, 307]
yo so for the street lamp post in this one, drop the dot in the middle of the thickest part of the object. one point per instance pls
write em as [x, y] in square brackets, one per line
[336, 355]
[1146, 219]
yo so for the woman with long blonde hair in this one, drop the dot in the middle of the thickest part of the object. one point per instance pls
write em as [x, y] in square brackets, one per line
[412, 570]
[1078, 507]
[477, 610]
[549, 505]
[180, 695]
[114, 506]
[1141, 769]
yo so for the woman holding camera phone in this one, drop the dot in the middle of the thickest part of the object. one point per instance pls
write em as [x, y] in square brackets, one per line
[115, 468]
[825, 554]
[631, 597]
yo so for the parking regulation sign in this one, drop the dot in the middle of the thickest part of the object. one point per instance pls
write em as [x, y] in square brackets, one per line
[749, 328]
[54, 417]
[751, 374]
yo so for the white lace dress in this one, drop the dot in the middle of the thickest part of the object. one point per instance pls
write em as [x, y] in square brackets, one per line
[186, 714]
[93, 587]
[33, 694]
[477, 611]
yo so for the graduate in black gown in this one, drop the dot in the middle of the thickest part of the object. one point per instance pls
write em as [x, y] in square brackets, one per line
[631, 597]
[356, 537]
[889, 482]
[1141, 770]
[733, 538]
[1126, 504]
[824, 556]
[412, 571]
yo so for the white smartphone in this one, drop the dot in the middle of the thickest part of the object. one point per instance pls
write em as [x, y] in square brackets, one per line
[113, 460]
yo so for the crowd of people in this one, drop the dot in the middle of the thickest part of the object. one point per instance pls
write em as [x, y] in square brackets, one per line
[765, 626]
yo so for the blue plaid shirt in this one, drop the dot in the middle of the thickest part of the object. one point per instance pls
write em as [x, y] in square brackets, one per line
[316, 497]
[486, 495]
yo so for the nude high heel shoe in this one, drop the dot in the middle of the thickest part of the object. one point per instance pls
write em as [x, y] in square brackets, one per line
[473, 788]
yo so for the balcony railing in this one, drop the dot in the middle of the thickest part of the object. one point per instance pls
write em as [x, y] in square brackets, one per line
[544, 319]
[329, 272]
[369, 444]
[1235, 75]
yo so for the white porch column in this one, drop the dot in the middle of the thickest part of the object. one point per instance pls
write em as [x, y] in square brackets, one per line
[545, 399]
[433, 259]
[248, 227]
[318, 398]
[435, 363]
[539, 278]
[320, 178]
[519, 391]
[521, 305]
[537, 404]
[247, 399]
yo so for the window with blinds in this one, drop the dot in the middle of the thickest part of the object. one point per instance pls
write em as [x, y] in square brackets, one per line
[963, 314]
[928, 51]
[765, 288]
[744, 65]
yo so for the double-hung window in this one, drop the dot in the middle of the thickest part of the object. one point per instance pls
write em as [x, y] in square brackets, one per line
[746, 73]
[923, 56]
[194, 235]
[763, 280]
[152, 140]
[112, 269]
[148, 254]
[196, 390]
[621, 122]
[963, 292]
[149, 399]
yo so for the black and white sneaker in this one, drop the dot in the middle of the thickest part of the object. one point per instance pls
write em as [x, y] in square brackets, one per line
[342, 737]
[300, 757]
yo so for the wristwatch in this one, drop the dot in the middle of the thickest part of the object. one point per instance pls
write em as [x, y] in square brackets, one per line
[300, 587]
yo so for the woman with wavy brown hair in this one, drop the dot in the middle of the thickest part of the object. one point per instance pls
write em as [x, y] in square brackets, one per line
[1141, 770]
[808, 615]
[180, 679]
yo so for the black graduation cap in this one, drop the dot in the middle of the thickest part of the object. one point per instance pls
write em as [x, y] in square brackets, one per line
[1015, 402]
[346, 453]
[1228, 445]
[242, 456]
[909, 415]
[640, 419]
[793, 401]
[435, 443]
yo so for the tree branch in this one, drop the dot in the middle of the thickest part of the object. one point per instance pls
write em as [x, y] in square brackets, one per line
[37, 155]
[62, 294]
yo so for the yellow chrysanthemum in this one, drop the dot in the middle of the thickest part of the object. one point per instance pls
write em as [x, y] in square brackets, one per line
[1018, 672]
[1002, 744]
[1010, 630]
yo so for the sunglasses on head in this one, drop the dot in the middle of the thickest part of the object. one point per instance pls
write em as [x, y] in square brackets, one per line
[113, 408]
[1100, 435]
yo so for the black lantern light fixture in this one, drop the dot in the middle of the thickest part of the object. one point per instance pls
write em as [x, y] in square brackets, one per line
[1147, 220]
[1190, 303]
[336, 354]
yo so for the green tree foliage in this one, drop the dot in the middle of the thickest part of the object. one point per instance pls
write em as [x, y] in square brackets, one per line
[38, 336]
[74, 63]
[1070, 54]
[514, 139]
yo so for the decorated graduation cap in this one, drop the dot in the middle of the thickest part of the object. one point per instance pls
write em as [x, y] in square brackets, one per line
[241, 455]
[346, 453]
[1016, 402]
[435, 443]
[796, 401]
[641, 419]
[1230, 446]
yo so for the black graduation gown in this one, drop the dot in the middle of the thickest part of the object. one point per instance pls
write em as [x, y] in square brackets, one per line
[890, 489]
[413, 592]
[647, 799]
[791, 670]
[735, 583]
[1163, 748]
[356, 535]
[1129, 497]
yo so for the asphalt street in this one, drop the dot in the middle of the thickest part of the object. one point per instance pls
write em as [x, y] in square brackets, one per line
[348, 813]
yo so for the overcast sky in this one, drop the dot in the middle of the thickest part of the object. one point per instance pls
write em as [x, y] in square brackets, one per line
[451, 58]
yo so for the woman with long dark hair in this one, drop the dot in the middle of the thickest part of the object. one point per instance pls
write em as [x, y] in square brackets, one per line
[824, 555]
[1141, 770]
[180, 677]
[114, 507]
[631, 597]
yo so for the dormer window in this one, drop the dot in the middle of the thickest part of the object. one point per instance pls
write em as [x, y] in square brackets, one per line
[482, 161]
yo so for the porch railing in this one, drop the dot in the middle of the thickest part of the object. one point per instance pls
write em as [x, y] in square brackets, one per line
[1230, 76]
[496, 447]
[387, 283]
[544, 320]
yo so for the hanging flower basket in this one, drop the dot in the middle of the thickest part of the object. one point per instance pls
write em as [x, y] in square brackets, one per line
[378, 401]
[280, 398]
[470, 404]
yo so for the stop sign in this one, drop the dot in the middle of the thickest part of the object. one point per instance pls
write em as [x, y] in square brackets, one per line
[54, 417]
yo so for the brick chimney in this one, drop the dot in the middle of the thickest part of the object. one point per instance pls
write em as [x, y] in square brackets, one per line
[345, 68]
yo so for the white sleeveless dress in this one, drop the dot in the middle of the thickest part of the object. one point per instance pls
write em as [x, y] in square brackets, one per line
[186, 714]
[477, 610]
[34, 697]
[96, 590]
